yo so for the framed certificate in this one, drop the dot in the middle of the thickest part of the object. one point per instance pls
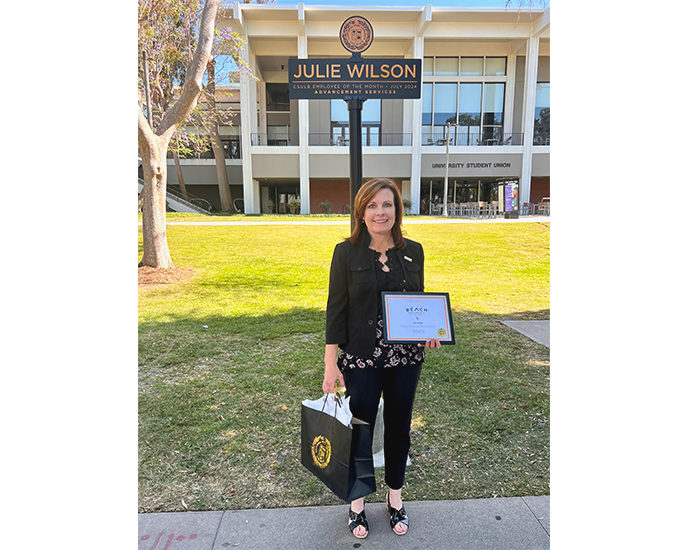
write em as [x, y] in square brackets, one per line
[413, 317]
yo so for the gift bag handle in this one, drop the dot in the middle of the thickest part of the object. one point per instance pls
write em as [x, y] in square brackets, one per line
[338, 391]
[337, 402]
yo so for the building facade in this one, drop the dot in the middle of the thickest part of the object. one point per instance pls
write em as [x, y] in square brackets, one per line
[486, 72]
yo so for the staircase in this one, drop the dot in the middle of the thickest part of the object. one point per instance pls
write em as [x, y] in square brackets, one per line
[178, 203]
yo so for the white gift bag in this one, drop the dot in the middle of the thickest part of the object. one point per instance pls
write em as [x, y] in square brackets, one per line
[379, 438]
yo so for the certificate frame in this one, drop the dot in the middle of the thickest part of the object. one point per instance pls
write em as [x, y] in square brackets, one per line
[435, 317]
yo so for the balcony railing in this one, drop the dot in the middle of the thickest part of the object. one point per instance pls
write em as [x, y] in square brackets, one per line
[275, 140]
[231, 148]
[492, 137]
[277, 106]
[369, 140]
[541, 134]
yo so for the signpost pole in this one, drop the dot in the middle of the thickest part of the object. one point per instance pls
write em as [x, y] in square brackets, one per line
[446, 172]
[349, 79]
[355, 151]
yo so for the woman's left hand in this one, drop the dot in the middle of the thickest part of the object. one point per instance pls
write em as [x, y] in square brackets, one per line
[432, 343]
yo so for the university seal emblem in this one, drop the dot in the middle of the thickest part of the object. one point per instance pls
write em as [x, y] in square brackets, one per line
[441, 332]
[321, 451]
[356, 34]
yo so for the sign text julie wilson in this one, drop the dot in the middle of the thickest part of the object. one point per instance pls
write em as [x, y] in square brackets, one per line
[363, 78]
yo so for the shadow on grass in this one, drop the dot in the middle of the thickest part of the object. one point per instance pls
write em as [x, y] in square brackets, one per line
[219, 412]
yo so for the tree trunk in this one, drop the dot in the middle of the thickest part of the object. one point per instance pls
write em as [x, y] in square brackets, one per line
[218, 152]
[153, 146]
[221, 167]
[157, 253]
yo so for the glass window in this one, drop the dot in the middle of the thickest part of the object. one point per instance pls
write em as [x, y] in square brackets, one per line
[339, 111]
[427, 103]
[340, 132]
[445, 103]
[277, 96]
[495, 66]
[446, 66]
[470, 96]
[471, 66]
[542, 103]
[494, 104]
[469, 104]
[428, 65]
[370, 114]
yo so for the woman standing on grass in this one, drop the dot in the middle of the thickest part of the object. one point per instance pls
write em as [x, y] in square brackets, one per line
[375, 258]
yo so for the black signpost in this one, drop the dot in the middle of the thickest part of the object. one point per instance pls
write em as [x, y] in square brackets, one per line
[355, 80]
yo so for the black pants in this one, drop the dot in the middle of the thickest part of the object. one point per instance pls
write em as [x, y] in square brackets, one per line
[398, 388]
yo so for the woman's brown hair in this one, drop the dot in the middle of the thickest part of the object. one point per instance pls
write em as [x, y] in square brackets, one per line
[365, 194]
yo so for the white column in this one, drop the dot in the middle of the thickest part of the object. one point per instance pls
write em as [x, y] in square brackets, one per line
[253, 92]
[304, 124]
[247, 102]
[529, 116]
[510, 93]
[418, 49]
[263, 102]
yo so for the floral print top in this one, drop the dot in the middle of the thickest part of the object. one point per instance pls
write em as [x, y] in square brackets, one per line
[385, 355]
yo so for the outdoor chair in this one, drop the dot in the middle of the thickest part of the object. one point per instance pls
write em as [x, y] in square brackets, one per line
[482, 209]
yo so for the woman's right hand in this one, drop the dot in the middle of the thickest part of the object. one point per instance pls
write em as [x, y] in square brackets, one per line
[332, 372]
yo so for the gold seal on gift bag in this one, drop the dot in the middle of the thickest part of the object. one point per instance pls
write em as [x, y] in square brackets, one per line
[321, 451]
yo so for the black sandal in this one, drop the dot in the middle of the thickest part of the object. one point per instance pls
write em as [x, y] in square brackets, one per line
[356, 520]
[396, 517]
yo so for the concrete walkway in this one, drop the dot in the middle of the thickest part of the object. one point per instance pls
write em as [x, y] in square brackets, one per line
[514, 523]
[538, 331]
[439, 220]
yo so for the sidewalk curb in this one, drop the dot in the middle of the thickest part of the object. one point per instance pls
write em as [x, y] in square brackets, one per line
[510, 523]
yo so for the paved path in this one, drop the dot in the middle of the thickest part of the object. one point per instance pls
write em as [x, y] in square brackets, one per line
[258, 221]
[515, 523]
[538, 331]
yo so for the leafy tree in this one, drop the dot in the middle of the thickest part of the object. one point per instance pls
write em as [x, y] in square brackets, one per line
[526, 4]
[179, 39]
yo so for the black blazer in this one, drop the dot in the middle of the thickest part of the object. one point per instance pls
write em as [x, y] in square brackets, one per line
[352, 299]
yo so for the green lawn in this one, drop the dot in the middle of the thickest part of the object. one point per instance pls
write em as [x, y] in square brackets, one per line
[219, 421]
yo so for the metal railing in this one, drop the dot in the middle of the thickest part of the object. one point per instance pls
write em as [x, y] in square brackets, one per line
[541, 134]
[231, 148]
[275, 140]
[481, 210]
[473, 139]
[197, 203]
[369, 140]
[278, 106]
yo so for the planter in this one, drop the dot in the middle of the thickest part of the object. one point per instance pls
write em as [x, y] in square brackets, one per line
[513, 215]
